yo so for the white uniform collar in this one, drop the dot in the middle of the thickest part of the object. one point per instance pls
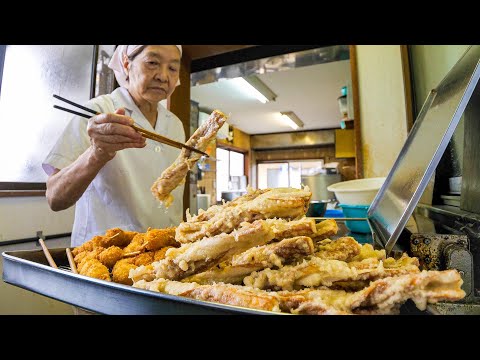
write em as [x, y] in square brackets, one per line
[122, 98]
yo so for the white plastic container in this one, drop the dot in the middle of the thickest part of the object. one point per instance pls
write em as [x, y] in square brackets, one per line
[357, 192]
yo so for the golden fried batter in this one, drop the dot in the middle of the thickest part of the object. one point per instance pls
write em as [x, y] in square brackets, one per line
[118, 237]
[160, 254]
[158, 238]
[121, 270]
[136, 244]
[89, 245]
[145, 258]
[110, 256]
[94, 268]
[92, 254]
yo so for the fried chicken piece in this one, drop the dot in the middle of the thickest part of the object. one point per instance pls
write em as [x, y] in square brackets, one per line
[317, 272]
[175, 173]
[145, 258]
[383, 296]
[255, 259]
[94, 268]
[196, 257]
[219, 293]
[160, 254]
[284, 229]
[91, 244]
[156, 239]
[288, 203]
[121, 270]
[325, 229]
[136, 244]
[165, 286]
[118, 237]
[205, 215]
[110, 256]
[344, 249]
[276, 254]
[142, 273]
[91, 254]
[367, 251]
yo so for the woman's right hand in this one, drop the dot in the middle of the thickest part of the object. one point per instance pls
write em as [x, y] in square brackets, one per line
[110, 133]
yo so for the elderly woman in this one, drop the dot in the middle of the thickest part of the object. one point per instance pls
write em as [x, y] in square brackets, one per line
[107, 168]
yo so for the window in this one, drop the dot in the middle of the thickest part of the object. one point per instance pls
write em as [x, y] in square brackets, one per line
[230, 171]
[29, 125]
[286, 174]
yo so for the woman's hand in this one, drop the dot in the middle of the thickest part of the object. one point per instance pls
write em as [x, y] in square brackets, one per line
[110, 133]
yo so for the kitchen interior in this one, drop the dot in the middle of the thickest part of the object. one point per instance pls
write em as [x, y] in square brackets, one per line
[329, 114]
[261, 146]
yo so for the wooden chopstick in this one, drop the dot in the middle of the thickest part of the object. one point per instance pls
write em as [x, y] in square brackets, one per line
[145, 133]
[71, 261]
[165, 140]
[47, 254]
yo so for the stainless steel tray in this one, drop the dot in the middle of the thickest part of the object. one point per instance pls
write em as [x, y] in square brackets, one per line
[30, 270]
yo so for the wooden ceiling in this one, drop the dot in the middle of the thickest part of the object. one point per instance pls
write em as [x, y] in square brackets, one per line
[195, 52]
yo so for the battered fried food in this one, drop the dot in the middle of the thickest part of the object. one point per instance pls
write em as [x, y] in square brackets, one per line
[383, 296]
[160, 254]
[220, 293]
[284, 229]
[344, 249]
[91, 244]
[287, 203]
[110, 256]
[175, 173]
[205, 215]
[118, 237]
[318, 272]
[136, 244]
[92, 254]
[121, 270]
[145, 258]
[94, 268]
[255, 259]
[325, 229]
[156, 239]
[196, 257]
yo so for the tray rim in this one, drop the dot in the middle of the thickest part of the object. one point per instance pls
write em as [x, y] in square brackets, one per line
[10, 257]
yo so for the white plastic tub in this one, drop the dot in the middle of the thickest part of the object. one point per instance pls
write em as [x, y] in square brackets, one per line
[357, 192]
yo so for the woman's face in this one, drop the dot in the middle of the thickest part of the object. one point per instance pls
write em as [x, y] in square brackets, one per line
[153, 73]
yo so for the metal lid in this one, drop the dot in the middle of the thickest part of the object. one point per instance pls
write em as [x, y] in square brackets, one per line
[423, 149]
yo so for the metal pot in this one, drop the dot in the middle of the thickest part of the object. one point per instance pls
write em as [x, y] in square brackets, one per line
[317, 208]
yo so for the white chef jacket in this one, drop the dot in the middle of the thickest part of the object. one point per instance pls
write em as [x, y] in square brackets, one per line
[120, 195]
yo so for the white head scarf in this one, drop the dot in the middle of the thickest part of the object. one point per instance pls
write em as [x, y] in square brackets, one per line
[116, 63]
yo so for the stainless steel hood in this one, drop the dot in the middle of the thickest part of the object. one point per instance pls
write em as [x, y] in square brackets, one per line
[423, 149]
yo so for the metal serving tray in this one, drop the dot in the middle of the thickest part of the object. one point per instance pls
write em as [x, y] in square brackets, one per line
[30, 270]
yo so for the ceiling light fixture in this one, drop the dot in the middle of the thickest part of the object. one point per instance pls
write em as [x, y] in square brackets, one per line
[291, 119]
[255, 87]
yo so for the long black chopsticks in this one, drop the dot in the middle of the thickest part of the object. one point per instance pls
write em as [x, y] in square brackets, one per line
[145, 133]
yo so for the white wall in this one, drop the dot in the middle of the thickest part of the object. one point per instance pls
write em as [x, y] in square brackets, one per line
[382, 107]
[22, 217]
[430, 64]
